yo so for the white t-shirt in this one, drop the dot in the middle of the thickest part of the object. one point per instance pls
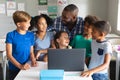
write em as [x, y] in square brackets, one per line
[99, 49]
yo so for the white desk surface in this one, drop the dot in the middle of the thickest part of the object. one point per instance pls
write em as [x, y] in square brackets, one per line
[34, 74]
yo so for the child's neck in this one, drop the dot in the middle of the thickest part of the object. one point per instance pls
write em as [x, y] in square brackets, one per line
[101, 39]
[87, 36]
[41, 35]
[21, 31]
[63, 47]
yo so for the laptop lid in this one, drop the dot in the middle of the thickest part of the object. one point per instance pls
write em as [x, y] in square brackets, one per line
[67, 59]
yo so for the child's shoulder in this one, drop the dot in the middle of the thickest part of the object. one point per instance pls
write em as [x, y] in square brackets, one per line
[30, 32]
[11, 33]
[107, 43]
[78, 36]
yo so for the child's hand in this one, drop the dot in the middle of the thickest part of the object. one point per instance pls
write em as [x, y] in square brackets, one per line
[25, 66]
[34, 63]
[45, 59]
[38, 54]
[86, 73]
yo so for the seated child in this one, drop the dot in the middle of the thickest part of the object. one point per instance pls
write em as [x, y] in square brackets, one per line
[101, 52]
[84, 41]
[61, 40]
[43, 38]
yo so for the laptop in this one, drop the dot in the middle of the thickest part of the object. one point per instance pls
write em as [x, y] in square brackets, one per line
[67, 59]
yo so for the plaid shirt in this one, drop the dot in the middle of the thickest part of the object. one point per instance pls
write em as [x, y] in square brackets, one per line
[59, 25]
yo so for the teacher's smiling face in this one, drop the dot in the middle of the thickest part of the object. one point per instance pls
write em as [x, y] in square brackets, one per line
[69, 18]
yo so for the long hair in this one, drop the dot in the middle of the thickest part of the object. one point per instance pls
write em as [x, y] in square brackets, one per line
[57, 36]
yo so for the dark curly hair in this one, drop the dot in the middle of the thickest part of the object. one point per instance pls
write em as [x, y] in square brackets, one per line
[35, 19]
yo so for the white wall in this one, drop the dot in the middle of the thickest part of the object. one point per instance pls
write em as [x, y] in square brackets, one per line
[112, 15]
[93, 7]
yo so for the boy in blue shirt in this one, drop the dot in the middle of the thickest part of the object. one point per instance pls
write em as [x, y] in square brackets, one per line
[101, 52]
[19, 45]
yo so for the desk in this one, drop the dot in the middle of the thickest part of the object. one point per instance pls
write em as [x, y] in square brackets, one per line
[3, 58]
[34, 73]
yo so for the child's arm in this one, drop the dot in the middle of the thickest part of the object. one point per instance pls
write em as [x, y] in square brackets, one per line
[32, 57]
[13, 60]
[52, 44]
[99, 68]
[44, 51]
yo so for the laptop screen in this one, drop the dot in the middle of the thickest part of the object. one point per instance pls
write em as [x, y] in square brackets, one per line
[67, 59]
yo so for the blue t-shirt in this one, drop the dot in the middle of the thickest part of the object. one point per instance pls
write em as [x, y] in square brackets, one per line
[21, 45]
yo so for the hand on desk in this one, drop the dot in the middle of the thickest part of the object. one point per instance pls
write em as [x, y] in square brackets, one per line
[25, 66]
[86, 73]
[34, 63]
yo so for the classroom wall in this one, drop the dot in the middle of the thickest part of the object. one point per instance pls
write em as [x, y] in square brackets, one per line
[94, 7]
[113, 14]
[6, 23]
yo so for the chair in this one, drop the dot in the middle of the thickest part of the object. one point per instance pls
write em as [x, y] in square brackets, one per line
[3, 58]
[115, 43]
[3, 61]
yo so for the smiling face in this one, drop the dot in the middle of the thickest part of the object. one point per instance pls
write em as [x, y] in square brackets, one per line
[23, 26]
[97, 35]
[69, 18]
[63, 40]
[42, 25]
[87, 29]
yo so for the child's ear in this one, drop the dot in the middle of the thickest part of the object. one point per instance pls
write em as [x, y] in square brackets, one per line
[58, 40]
[102, 34]
[18, 24]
